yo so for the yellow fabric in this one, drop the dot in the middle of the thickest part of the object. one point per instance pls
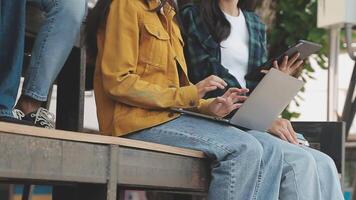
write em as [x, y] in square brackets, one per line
[136, 79]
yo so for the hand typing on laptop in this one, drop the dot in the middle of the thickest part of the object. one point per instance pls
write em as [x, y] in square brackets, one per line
[231, 100]
[221, 106]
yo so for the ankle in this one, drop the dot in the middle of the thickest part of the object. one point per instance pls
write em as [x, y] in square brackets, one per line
[28, 105]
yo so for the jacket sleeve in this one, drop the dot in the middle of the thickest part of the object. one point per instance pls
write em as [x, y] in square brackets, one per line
[119, 64]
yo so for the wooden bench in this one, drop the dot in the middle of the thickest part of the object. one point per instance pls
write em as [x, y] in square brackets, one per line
[97, 165]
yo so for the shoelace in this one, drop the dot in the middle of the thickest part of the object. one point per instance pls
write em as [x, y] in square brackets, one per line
[44, 117]
[18, 114]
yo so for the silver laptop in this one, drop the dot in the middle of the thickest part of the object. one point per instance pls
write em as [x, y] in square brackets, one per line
[271, 96]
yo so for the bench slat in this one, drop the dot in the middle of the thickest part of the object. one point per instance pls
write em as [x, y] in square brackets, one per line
[97, 139]
[35, 159]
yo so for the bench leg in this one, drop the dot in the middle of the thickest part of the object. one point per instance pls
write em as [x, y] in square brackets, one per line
[27, 192]
[167, 196]
[5, 191]
[183, 197]
[354, 188]
[70, 93]
[112, 174]
[121, 195]
[79, 192]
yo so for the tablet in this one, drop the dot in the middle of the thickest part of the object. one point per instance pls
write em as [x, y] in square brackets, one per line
[305, 48]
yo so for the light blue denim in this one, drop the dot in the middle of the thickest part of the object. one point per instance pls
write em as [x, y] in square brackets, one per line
[251, 165]
[12, 35]
[239, 161]
[53, 44]
[307, 173]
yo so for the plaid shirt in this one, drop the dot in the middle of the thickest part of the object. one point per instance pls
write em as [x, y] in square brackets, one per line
[203, 53]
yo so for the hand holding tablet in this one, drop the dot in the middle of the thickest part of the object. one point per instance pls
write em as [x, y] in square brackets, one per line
[289, 60]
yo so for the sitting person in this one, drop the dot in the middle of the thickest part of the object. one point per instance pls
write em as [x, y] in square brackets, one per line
[141, 73]
[51, 49]
[225, 40]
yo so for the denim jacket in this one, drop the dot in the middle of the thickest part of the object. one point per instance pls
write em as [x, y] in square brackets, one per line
[203, 53]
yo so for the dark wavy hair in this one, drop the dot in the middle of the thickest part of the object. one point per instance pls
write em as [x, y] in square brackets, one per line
[215, 19]
[96, 20]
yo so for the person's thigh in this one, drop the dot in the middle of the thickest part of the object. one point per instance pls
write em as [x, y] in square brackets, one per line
[291, 151]
[235, 155]
[215, 139]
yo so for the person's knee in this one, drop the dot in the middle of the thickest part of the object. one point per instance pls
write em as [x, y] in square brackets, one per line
[250, 148]
[272, 146]
[328, 161]
[306, 161]
[324, 161]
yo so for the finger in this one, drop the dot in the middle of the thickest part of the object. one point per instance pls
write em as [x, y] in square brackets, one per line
[243, 91]
[288, 135]
[284, 62]
[240, 91]
[264, 71]
[275, 64]
[217, 79]
[232, 91]
[296, 65]
[280, 134]
[210, 88]
[292, 61]
[293, 133]
[237, 98]
[220, 100]
[234, 107]
[217, 84]
[226, 102]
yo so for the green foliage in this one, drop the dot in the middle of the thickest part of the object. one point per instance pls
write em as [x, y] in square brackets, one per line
[295, 20]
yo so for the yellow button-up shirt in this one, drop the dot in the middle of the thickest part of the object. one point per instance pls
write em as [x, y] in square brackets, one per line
[141, 71]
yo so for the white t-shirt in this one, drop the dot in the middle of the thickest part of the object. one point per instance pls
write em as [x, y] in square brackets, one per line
[235, 49]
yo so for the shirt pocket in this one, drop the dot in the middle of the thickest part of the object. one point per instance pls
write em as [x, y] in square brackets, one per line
[154, 46]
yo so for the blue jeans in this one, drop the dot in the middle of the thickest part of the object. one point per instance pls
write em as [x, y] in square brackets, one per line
[238, 159]
[307, 173]
[51, 49]
[251, 165]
